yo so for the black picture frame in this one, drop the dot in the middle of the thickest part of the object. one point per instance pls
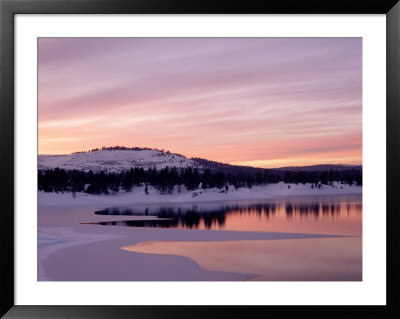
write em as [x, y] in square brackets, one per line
[9, 8]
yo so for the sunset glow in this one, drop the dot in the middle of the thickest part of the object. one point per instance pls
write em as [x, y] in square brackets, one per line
[264, 102]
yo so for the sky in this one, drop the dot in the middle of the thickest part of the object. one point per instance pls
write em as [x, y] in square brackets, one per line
[263, 102]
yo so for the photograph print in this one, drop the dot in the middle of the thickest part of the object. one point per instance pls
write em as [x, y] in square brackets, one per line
[199, 159]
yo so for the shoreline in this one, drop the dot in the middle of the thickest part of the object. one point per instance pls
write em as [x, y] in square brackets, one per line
[138, 197]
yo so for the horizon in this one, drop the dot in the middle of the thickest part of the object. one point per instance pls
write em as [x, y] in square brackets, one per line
[259, 102]
[106, 148]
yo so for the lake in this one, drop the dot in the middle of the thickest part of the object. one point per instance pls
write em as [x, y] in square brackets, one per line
[309, 259]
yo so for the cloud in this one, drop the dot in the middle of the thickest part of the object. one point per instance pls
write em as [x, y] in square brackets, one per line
[206, 97]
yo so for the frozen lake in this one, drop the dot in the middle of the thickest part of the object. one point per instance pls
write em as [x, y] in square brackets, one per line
[297, 238]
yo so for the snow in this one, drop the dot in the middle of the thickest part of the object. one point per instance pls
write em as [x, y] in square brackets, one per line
[115, 160]
[138, 196]
[51, 240]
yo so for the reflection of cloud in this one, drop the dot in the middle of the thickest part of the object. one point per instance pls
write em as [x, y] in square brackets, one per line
[203, 97]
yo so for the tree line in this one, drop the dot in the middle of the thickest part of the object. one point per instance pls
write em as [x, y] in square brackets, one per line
[168, 180]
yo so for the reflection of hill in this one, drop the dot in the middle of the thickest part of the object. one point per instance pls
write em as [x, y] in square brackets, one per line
[195, 216]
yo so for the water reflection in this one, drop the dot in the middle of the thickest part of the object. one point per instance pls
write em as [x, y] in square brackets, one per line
[217, 216]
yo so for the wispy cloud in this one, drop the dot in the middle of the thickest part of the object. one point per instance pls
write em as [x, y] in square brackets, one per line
[259, 100]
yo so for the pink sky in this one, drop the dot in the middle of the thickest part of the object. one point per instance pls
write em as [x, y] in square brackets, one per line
[265, 102]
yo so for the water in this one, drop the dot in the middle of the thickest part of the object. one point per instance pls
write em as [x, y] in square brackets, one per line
[312, 259]
[338, 214]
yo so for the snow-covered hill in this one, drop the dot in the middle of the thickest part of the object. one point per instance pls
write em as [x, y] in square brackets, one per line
[115, 160]
[120, 159]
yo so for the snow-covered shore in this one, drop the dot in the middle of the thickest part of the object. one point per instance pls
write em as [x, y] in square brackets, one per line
[138, 196]
[94, 253]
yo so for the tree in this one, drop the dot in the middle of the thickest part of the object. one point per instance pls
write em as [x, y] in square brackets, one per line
[206, 179]
[127, 182]
[219, 180]
[114, 183]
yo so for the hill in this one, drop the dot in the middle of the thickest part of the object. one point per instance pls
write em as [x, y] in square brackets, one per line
[115, 160]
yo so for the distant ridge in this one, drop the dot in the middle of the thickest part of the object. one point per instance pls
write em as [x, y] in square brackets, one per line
[323, 167]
